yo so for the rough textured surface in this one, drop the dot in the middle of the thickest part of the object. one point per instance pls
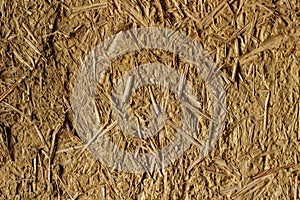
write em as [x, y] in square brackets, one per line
[256, 46]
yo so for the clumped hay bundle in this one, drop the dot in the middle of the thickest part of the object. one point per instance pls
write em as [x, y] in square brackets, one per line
[256, 47]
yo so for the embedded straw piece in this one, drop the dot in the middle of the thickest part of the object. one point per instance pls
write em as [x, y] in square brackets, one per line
[88, 7]
[156, 108]
[5, 94]
[99, 133]
[127, 90]
[266, 111]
